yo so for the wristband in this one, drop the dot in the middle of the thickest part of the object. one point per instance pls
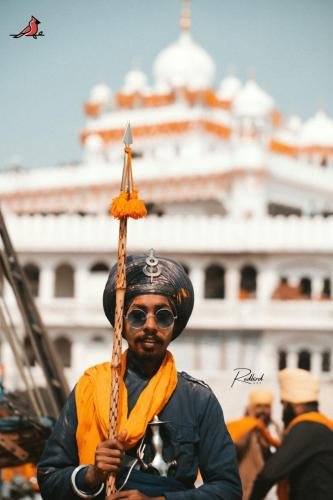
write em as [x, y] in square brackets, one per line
[80, 493]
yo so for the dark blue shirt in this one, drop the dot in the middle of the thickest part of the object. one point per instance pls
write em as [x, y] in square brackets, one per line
[195, 435]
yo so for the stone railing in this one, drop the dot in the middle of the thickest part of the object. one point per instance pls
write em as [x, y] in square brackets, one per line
[173, 234]
[207, 315]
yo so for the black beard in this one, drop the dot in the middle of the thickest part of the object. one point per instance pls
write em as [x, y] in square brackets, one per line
[288, 415]
[265, 418]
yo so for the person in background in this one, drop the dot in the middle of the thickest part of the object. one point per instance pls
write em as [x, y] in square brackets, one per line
[254, 435]
[303, 464]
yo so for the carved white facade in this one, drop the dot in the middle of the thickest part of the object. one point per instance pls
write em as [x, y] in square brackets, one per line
[243, 200]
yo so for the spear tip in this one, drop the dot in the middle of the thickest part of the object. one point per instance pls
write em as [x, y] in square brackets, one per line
[128, 138]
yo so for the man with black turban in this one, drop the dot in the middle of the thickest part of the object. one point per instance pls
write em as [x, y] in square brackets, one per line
[171, 425]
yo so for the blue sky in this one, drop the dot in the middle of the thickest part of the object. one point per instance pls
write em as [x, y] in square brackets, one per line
[288, 44]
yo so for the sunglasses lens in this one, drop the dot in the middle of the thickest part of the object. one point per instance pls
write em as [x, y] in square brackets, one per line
[136, 318]
[164, 318]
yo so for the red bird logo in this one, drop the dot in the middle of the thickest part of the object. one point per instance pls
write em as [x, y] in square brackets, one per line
[30, 30]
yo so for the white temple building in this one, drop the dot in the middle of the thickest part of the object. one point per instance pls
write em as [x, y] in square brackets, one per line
[242, 196]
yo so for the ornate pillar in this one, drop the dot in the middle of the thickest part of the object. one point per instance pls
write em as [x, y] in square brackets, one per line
[317, 287]
[292, 359]
[316, 358]
[232, 352]
[81, 282]
[293, 279]
[231, 283]
[267, 281]
[266, 357]
[197, 276]
[46, 283]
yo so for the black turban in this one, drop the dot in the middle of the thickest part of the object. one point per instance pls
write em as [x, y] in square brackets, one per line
[165, 277]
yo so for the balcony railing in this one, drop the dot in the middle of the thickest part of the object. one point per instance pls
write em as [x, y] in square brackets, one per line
[173, 234]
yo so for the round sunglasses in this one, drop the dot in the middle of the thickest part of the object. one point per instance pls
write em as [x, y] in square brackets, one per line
[137, 318]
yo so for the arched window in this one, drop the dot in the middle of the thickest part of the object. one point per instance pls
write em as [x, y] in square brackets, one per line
[248, 282]
[64, 281]
[305, 287]
[326, 293]
[304, 360]
[214, 282]
[99, 267]
[64, 349]
[282, 361]
[326, 361]
[32, 274]
[285, 291]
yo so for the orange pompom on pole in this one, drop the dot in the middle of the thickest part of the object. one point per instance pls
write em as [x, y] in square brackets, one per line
[126, 204]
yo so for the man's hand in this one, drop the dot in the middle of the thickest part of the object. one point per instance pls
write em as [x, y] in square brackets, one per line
[108, 458]
[133, 495]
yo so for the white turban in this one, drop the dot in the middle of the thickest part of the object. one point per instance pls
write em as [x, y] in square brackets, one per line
[260, 397]
[298, 386]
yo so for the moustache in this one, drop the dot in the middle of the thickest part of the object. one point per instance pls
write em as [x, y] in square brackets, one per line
[149, 338]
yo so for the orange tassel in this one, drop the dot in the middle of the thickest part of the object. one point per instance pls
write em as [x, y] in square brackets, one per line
[135, 207]
[119, 206]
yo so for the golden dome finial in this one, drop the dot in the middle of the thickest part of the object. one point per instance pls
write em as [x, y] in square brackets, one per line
[185, 20]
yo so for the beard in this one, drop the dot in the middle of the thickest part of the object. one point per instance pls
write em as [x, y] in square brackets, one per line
[288, 414]
[265, 418]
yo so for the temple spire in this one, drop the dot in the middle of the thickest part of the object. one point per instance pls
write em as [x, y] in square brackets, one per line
[185, 19]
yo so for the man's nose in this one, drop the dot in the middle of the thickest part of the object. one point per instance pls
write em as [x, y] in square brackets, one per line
[150, 322]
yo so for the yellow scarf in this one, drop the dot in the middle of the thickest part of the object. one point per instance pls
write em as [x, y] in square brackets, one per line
[92, 396]
[239, 428]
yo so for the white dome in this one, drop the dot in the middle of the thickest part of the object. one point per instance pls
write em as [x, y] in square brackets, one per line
[289, 133]
[228, 88]
[317, 131]
[94, 143]
[252, 101]
[294, 123]
[185, 63]
[161, 88]
[100, 94]
[147, 90]
[248, 154]
[134, 81]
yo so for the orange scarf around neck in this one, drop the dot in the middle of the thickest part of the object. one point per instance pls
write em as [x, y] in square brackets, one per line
[311, 416]
[92, 396]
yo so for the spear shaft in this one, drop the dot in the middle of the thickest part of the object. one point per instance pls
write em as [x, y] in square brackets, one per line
[127, 204]
[110, 486]
[117, 341]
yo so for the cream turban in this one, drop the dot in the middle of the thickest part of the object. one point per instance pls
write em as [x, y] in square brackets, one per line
[260, 397]
[298, 386]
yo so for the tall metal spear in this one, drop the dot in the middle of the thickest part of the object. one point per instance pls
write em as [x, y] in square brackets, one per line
[125, 205]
